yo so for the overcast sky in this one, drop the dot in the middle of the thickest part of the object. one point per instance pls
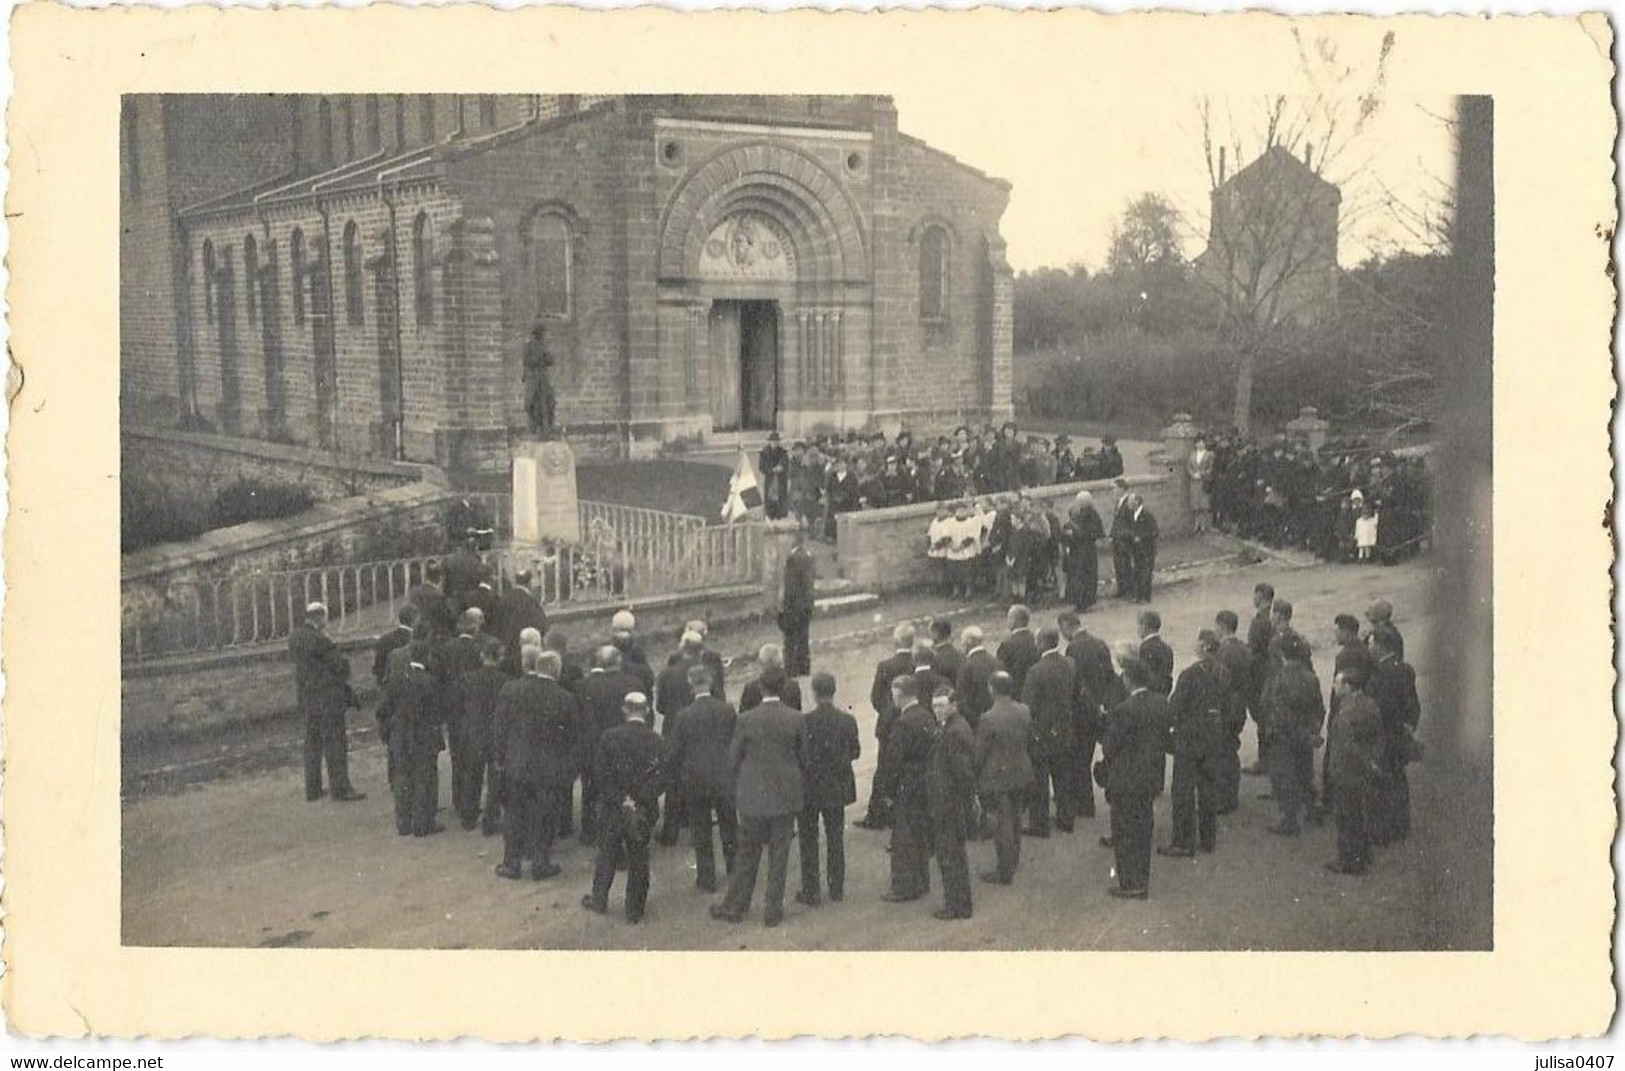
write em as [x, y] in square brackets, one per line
[1072, 177]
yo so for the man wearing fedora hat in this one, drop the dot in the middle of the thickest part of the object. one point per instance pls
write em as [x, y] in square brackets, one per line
[774, 465]
[1111, 459]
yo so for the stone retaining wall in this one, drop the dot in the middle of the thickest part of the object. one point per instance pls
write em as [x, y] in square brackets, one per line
[177, 699]
[884, 549]
[201, 465]
[394, 523]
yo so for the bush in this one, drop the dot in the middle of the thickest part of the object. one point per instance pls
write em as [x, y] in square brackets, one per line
[150, 513]
[256, 500]
[1127, 377]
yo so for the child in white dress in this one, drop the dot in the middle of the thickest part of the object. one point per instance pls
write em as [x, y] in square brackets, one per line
[1365, 532]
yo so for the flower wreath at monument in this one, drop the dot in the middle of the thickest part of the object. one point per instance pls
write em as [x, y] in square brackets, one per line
[581, 570]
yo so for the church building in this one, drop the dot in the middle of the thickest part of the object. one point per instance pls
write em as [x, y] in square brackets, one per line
[360, 274]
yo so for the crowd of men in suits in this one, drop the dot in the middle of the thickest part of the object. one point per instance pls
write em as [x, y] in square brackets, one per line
[1046, 701]
[1018, 547]
[969, 740]
[816, 480]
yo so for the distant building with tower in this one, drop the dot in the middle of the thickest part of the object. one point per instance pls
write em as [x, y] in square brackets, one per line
[360, 273]
[1272, 238]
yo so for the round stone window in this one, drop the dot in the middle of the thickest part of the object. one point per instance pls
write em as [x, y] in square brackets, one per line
[670, 152]
[854, 162]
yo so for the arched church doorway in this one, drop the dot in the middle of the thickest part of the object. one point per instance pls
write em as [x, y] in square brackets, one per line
[744, 364]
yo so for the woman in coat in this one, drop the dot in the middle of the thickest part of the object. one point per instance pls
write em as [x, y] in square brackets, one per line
[1080, 537]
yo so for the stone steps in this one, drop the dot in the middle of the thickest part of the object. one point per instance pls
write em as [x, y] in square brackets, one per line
[845, 603]
[834, 585]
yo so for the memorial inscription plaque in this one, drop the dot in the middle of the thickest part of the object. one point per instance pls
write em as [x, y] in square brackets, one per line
[544, 493]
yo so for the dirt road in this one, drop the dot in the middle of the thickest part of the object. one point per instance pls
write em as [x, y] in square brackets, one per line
[243, 860]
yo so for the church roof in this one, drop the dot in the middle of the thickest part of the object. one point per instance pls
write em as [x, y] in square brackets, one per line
[425, 163]
[362, 174]
[953, 160]
[1277, 160]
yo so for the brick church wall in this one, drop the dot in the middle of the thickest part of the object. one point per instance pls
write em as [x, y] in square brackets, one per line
[629, 371]
[149, 350]
[933, 371]
[178, 150]
[574, 170]
[360, 422]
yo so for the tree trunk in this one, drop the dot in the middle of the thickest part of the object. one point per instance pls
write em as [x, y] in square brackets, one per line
[1244, 391]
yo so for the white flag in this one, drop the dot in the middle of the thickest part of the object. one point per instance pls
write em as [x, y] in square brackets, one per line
[744, 493]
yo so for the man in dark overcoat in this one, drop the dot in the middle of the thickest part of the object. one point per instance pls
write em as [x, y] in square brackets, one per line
[1355, 747]
[829, 747]
[881, 788]
[536, 723]
[1050, 694]
[909, 750]
[796, 606]
[603, 693]
[321, 677]
[768, 795]
[1133, 771]
[1019, 651]
[455, 657]
[517, 609]
[950, 786]
[1199, 705]
[1097, 688]
[701, 738]
[1004, 740]
[1393, 686]
[629, 773]
[411, 708]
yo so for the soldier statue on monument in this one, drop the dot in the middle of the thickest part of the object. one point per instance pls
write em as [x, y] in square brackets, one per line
[539, 397]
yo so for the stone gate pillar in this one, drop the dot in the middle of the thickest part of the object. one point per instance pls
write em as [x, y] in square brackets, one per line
[1178, 442]
[1308, 427]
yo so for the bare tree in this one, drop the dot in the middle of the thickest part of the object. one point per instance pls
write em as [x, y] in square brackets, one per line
[1396, 382]
[1271, 257]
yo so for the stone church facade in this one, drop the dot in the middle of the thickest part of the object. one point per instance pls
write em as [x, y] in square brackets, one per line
[360, 274]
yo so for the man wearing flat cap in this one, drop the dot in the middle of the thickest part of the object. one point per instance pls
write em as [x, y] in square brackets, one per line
[1381, 617]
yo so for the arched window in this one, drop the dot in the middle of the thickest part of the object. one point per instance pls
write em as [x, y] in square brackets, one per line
[276, 394]
[488, 112]
[422, 259]
[324, 125]
[208, 280]
[550, 265]
[933, 274]
[352, 273]
[426, 117]
[349, 128]
[400, 122]
[251, 270]
[296, 275]
[375, 125]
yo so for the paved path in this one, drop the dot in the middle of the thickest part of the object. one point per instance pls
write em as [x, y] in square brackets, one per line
[245, 861]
